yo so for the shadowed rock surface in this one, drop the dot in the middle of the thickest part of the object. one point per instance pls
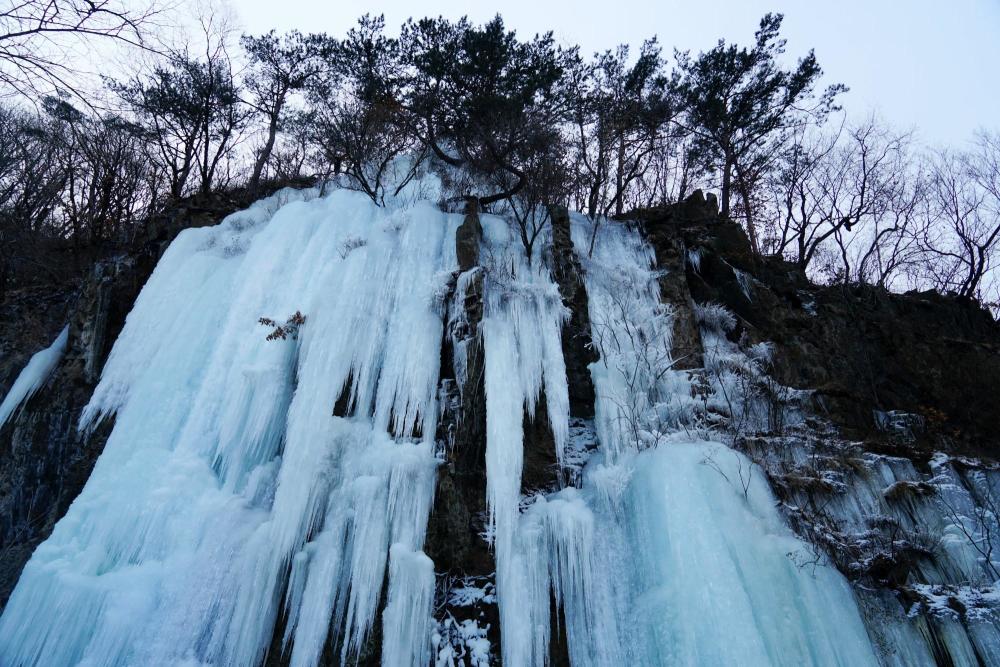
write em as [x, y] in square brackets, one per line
[860, 348]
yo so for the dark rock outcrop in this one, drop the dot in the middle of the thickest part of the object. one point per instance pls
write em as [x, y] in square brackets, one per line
[664, 228]
[45, 461]
[860, 348]
[456, 530]
[468, 237]
[578, 350]
[453, 540]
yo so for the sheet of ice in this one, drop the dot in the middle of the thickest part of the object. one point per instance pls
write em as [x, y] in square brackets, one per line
[714, 576]
[721, 579]
[33, 376]
[641, 399]
[226, 470]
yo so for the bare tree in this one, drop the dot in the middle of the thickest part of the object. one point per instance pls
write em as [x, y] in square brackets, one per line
[359, 123]
[853, 187]
[363, 141]
[966, 198]
[109, 184]
[192, 114]
[37, 36]
[548, 182]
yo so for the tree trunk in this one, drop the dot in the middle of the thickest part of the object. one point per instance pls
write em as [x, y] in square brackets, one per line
[265, 151]
[748, 211]
[682, 188]
[727, 184]
[264, 156]
[619, 184]
[595, 189]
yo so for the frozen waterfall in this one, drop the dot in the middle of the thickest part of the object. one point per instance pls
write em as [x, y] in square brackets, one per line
[228, 488]
[268, 486]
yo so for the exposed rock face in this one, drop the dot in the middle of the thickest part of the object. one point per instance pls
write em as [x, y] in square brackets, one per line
[460, 501]
[32, 318]
[455, 532]
[45, 461]
[577, 345]
[860, 348]
[468, 237]
[664, 229]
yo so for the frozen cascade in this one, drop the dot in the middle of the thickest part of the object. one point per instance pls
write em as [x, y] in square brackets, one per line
[247, 479]
[523, 317]
[725, 581]
[648, 506]
[227, 488]
[715, 577]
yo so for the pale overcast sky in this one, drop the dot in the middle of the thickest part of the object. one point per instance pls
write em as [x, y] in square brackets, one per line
[933, 66]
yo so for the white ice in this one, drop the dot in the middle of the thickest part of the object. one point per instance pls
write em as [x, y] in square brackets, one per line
[33, 376]
[230, 495]
[703, 569]
[226, 469]
[721, 580]
[522, 324]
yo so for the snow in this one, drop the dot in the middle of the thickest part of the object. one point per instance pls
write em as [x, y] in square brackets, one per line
[461, 644]
[227, 480]
[33, 376]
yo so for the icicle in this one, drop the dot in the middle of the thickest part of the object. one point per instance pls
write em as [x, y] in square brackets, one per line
[407, 619]
[521, 333]
[314, 605]
[714, 574]
[33, 376]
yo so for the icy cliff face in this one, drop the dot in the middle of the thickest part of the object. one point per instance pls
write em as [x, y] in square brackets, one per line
[228, 489]
[266, 489]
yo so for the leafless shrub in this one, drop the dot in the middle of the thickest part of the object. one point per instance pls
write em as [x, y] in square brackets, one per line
[290, 329]
[979, 529]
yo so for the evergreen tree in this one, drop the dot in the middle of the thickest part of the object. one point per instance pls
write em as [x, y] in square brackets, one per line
[741, 106]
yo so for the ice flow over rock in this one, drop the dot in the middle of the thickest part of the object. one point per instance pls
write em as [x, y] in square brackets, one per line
[249, 480]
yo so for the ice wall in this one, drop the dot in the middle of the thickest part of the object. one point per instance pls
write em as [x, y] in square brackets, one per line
[228, 490]
[249, 480]
[713, 574]
[724, 581]
[523, 316]
[671, 551]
